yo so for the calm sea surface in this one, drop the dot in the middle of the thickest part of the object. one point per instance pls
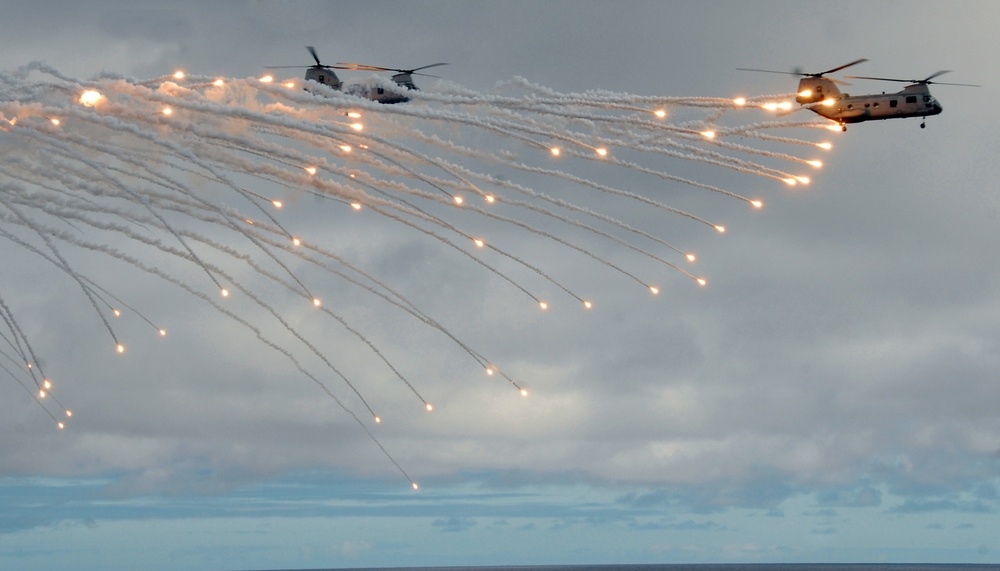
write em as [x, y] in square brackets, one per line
[706, 567]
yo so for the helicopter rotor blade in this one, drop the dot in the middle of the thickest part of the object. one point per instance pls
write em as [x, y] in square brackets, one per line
[363, 67]
[933, 75]
[846, 65]
[958, 84]
[883, 78]
[799, 72]
[918, 81]
[426, 67]
[771, 71]
[312, 50]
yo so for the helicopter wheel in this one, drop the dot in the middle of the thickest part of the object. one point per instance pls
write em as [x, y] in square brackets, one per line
[923, 125]
[843, 128]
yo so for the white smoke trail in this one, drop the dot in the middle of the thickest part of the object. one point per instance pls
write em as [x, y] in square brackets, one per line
[197, 172]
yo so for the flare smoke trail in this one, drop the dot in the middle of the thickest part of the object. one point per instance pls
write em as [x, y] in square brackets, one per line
[184, 179]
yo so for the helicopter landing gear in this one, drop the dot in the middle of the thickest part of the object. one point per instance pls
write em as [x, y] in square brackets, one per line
[843, 127]
[923, 124]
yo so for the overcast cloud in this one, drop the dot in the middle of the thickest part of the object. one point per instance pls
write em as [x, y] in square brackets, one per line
[830, 396]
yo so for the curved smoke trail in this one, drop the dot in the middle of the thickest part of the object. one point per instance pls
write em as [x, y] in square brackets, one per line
[193, 171]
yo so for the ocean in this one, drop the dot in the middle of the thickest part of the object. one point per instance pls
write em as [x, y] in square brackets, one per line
[704, 567]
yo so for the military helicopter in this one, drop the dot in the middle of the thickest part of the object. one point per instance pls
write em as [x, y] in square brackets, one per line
[381, 93]
[821, 95]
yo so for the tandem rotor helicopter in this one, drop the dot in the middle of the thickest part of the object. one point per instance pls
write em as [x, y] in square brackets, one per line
[820, 95]
[325, 75]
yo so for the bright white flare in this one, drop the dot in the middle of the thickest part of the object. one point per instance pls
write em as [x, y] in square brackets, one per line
[91, 98]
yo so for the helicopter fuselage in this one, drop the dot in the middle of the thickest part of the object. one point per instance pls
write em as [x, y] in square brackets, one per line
[823, 98]
[379, 91]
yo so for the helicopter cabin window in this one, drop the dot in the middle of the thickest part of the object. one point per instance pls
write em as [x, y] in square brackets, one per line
[911, 98]
[875, 104]
[850, 106]
[893, 103]
[381, 91]
[867, 105]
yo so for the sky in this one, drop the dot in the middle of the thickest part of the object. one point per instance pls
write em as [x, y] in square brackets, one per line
[828, 397]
